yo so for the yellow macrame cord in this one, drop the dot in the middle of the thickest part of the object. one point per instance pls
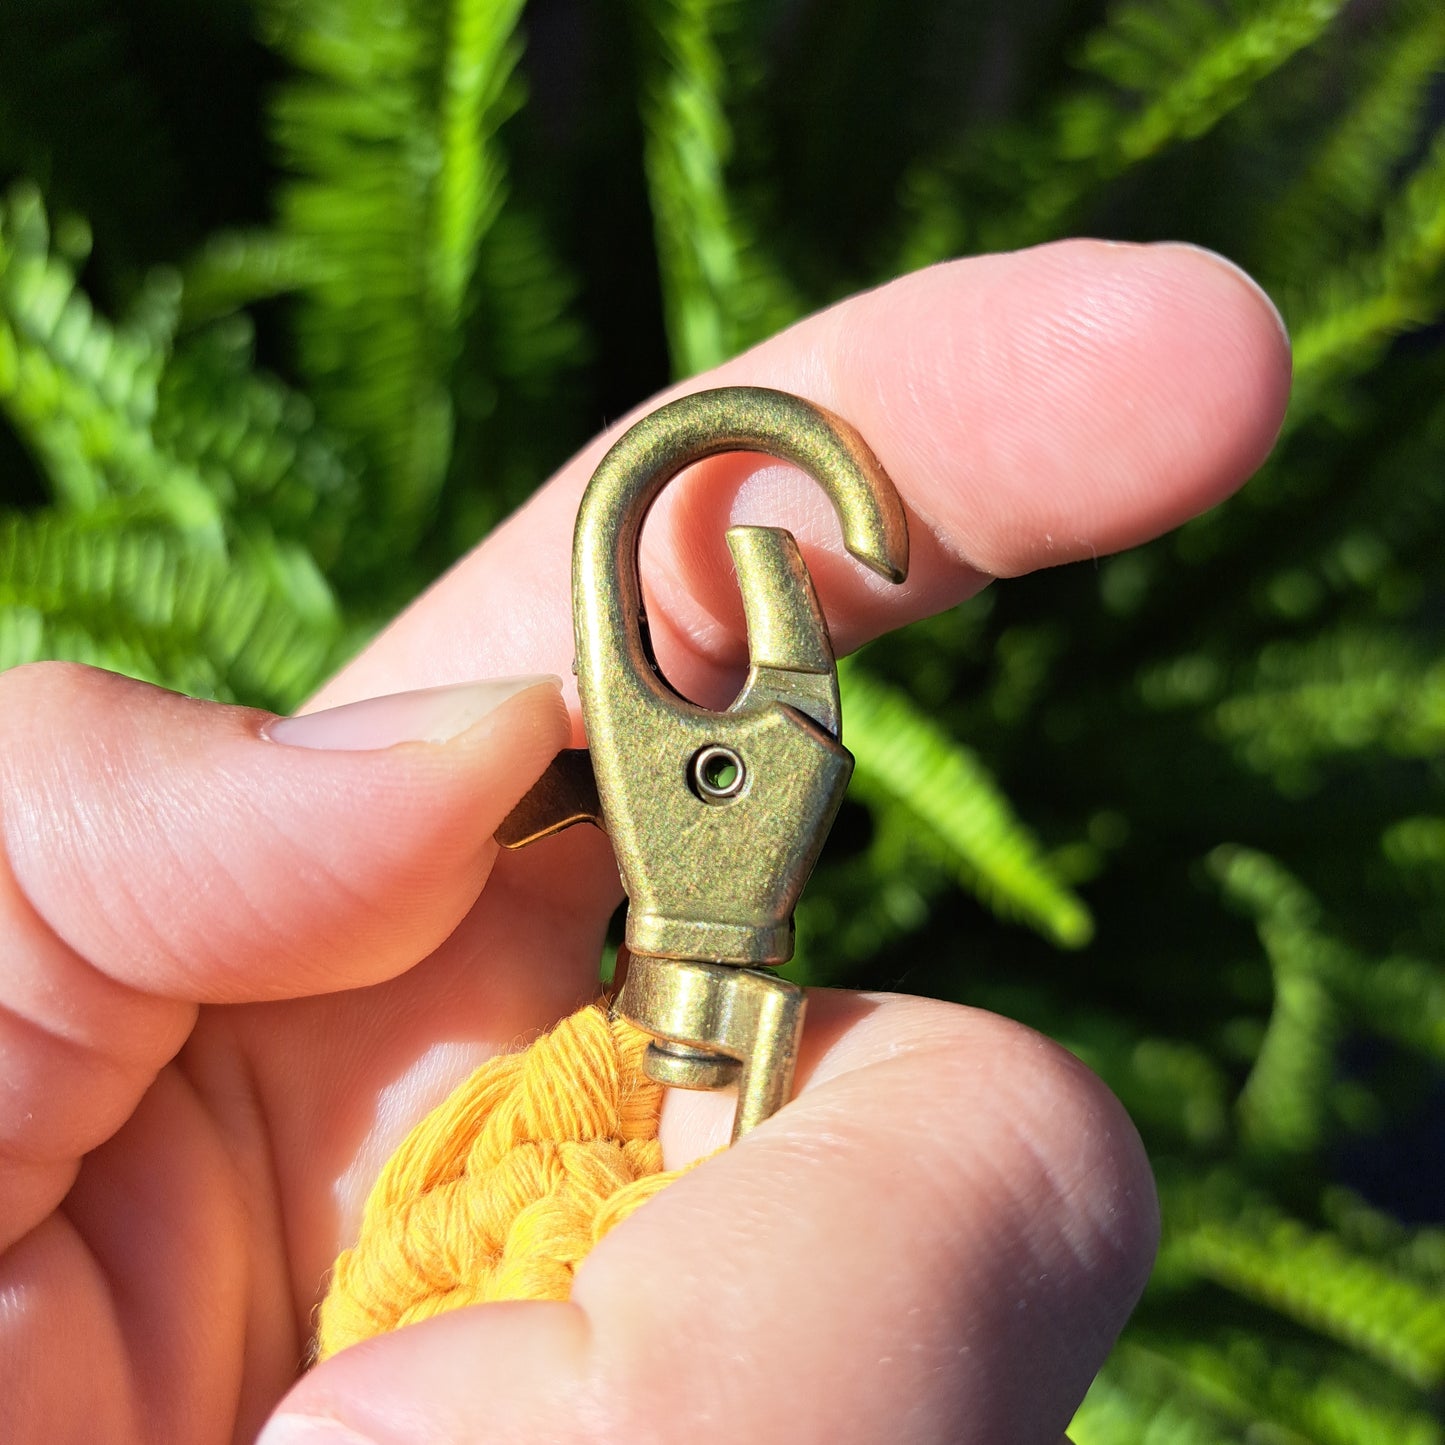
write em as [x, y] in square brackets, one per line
[502, 1190]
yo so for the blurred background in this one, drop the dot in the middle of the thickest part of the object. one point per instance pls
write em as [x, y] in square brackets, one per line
[299, 297]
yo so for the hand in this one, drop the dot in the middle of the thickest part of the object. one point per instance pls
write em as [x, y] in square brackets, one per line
[236, 969]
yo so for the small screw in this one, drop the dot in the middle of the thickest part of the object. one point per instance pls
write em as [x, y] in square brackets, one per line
[718, 774]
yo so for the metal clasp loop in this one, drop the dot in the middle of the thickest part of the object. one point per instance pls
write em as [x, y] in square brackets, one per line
[716, 818]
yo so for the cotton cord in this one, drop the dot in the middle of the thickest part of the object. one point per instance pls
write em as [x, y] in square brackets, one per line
[502, 1190]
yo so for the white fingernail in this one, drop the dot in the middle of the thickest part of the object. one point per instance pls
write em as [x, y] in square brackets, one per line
[309, 1430]
[430, 715]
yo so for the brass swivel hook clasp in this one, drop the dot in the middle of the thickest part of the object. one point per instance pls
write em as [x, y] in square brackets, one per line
[716, 818]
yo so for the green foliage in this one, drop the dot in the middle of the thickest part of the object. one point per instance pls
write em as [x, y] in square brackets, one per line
[719, 291]
[955, 810]
[194, 496]
[1182, 809]
[1339, 193]
[253, 627]
[1369, 300]
[1160, 72]
[1311, 1277]
[82, 394]
[388, 128]
[1220, 1388]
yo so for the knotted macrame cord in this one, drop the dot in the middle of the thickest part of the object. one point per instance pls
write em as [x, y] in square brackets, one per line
[501, 1191]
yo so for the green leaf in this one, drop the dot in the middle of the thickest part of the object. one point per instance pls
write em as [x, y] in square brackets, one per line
[516, 384]
[1284, 1106]
[1353, 171]
[1350, 691]
[239, 268]
[1342, 322]
[1231, 1385]
[154, 605]
[720, 292]
[1319, 980]
[1170, 72]
[257, 444]
[389, 128]
[907, 762]
[1247, 1246]
[80, 392]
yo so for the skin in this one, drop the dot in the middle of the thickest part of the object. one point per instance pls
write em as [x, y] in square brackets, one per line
[235, 972]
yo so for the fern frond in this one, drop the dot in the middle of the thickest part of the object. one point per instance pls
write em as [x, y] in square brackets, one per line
[238, 268]
[1320, 975]
[80, 392]
[907, 761]
[1137, 1400]
[720, 294]
[1249, 1247]
[1343, 323]
[154, 605]
[859, 906]
[1400, 997]
[1170, 72]
[1185, 66]
[1416, 1251]
[525, 296]
[1172, 1089]
[1284, 1106]
[193, 438]
[1255, 1388]
[1417, 846]
[256, 443]
[1352, 172]
[1349, 691]
[687, 149]
[390, 130]
[517, 377]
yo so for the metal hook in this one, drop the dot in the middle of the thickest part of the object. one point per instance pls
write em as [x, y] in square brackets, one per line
[717, 819]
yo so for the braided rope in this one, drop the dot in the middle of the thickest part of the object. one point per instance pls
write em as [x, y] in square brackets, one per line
[502, 1190]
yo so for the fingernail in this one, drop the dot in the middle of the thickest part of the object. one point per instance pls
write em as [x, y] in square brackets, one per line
[309, 1430]
[429, 715]
[1241, 274]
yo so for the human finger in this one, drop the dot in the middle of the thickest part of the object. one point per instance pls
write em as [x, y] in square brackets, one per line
[1032, 408]
[938, 1239]
[157, 853]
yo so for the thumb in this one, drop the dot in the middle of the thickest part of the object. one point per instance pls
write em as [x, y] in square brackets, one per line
[937, 1240]
[157, 853]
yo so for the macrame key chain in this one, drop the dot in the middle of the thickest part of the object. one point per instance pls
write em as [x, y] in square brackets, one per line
[716, 818]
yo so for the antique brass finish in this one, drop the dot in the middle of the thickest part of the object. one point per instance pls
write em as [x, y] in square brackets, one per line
[716, 880]
[736, 1026]
[716, 818]
[565, 794]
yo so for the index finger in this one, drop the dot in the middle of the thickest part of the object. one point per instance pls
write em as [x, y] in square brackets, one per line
[1032, 408]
